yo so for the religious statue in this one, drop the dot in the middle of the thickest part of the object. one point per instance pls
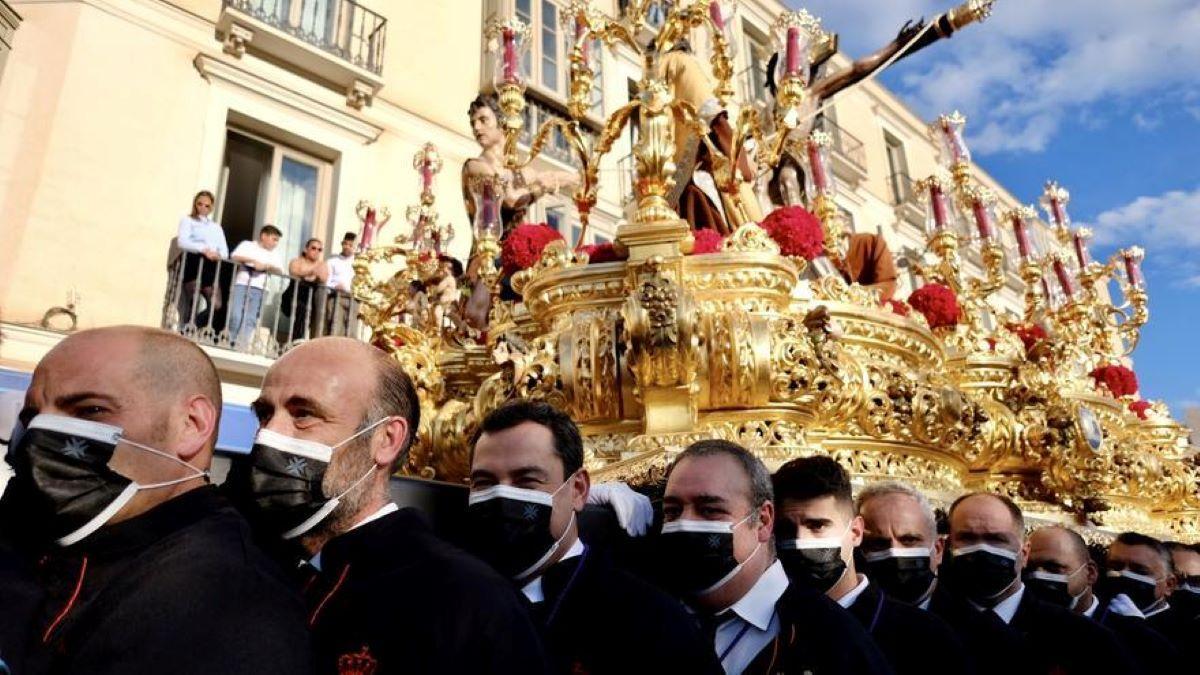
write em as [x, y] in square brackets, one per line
[372, 223]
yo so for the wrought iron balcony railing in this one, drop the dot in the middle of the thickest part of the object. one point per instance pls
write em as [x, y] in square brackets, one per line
[203, 304]
[343, 28]
[845, 143]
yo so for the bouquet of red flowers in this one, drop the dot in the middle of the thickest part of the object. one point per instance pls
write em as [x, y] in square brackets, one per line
[523, 246]
[598, 253]
[1118, 380]
[938, 303]
[707, 241]
[1030, 334]
[1139, 408]
[797, 231]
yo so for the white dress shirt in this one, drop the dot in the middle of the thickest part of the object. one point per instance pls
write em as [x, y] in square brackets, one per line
[1006, 609]
[1090, 612]
[754, 624]
[341, 272]
[200, 234]
[533, 589]
[1157, 610]
[252, 250]
[848, 599]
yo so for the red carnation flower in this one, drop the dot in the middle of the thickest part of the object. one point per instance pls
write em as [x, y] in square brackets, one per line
[523, 246]
[707, 241]
[1139, 408]
[1118, 380]
[797, 232]
[1030, 334]
[898, 306]
[599, 253]
[938, 304]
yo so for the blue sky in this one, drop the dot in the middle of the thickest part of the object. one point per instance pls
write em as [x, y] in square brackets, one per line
[1101, 95]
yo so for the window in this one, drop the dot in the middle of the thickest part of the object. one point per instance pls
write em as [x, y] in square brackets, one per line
[758, 53]
[898, 178]
[547, 63]
[549, 44]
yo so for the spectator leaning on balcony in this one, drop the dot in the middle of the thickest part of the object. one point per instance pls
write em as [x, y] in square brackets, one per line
[310, 276]
[200, 240]
[257, 258]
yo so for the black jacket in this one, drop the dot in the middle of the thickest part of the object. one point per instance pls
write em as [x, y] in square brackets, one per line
[817, 636]
[1182, 631]
[1065, 643]
[898, 629]
[178, 589]
[1153, 652]
[998, 648]
[599, 619]
[392, 597]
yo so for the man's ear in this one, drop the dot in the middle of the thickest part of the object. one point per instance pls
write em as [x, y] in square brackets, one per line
[389, 440]
[766, 518]
[856, 531]
[1092, 572]
[199, 417]
[581, 484]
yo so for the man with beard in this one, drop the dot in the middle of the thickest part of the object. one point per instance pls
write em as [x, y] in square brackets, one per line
[336, 418]
[527, 458]
[816, 532]
[143, 565]
[1061, 572]
[718, 549]
[985, 553]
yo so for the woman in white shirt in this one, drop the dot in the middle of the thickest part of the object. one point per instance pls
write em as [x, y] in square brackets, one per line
[202, 243]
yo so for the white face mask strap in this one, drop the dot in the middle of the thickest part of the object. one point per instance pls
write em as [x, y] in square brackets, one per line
[732, 573]
[101, 518]
[198, 473]
[549, 552]
[362, 431]
[326, 508]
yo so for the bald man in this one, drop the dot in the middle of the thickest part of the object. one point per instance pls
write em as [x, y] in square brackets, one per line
[986, 551]
[145, 568]
[336, 419]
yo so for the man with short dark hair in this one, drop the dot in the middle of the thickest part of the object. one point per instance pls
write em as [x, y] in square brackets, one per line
[339, 308]
[1140, 573]
[337, 417]
[1185, 559]
[1061, 572]
[257, 259]
[528, 486]
[144, 566]
[718, 553]
[985, 554]
[816, 532]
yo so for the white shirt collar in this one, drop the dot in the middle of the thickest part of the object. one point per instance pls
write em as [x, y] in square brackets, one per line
[1161, 608]
[848, 599]
[533, 589]
[757, 606]
[387, 508]
[1006, 609]
[1091, 610]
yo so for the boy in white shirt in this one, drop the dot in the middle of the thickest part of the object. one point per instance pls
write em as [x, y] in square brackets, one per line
[245, 301]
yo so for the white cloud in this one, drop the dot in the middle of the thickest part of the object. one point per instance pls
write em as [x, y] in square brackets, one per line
[1171, 219]
[1035, 63]
[1146, 122]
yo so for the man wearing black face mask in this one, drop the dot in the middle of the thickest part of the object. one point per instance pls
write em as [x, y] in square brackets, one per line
[1185, 559]
[528, 486]
[717, 551]
[1061, 572]
[816, 532]
[985, 554]
[336, 418]
[145, 568]
[1139, 580]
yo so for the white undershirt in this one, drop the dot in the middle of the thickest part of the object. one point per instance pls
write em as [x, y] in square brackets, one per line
[533, 589]
[847, 600]
[1091, 610]
[1006, 609]
[754, 614]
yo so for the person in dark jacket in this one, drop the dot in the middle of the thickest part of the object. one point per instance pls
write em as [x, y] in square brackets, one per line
[144, 567]
[718, 548]
[386, 595]
[1139, 581]
[527, 460]
[816, 533]
[1061, 572]
[986, 551]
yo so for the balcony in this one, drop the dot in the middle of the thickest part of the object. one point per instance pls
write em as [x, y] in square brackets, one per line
[904, 199]
[752, 82]
[848, 153]
[338, 41]
[202, 305]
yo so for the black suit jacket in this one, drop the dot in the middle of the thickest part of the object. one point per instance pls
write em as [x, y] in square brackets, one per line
[1153, 652]
[1068, 644]
[817, 636]
[178, 589]
[914, 641]
[1182, 631]
[394, 597]
[599, 619]
[999, 648]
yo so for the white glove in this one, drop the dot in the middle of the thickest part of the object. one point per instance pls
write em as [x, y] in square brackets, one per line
[633, 509]
[1121, 604]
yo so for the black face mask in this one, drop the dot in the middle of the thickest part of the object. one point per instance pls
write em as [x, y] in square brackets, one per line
[902, 573]
[509, 528]
[816, 567]
[1138, 587]
[1186, 598]
[65, 461]
[980, 572]
[697, 555]
[1051, 588]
